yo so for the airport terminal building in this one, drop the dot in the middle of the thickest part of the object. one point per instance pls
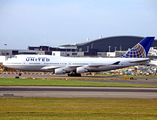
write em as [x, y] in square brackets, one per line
[116, 45]
[108, 46]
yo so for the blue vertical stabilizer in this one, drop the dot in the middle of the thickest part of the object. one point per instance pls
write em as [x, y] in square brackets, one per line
[141, 49]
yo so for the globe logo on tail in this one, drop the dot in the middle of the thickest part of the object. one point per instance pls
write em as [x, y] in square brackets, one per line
[137, 51]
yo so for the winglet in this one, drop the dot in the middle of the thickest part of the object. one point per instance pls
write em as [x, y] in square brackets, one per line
[141, 49]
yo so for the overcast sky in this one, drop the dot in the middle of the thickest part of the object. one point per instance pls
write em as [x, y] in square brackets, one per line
[26, 23]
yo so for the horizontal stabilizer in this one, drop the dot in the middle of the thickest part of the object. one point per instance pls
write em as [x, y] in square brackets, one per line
[116, 63]
[139, 61]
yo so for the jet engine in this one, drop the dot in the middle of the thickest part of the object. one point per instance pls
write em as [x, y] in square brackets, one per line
[81, 70]
[60, 71]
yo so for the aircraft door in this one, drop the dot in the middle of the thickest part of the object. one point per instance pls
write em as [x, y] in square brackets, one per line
[69, 63]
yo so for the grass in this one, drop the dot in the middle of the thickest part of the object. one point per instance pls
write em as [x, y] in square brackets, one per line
[134, 76]
[77, 109]
[74, 108]
[36, 82]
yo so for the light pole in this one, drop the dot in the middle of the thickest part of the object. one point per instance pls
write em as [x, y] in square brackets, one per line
[109, 50]
[5, 48]
[120, 47]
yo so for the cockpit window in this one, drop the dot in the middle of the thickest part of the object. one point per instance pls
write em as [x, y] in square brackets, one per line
[14, 56]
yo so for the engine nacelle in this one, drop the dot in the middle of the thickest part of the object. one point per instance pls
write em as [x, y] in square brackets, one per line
[60, 71]
[81, 70]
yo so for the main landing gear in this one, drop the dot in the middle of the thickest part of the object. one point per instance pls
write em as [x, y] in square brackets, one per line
[19, 74]
[74, 74]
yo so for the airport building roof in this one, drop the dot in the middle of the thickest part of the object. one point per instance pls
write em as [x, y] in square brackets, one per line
[120, 43]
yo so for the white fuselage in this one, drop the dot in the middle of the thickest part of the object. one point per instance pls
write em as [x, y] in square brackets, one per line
[67, 64]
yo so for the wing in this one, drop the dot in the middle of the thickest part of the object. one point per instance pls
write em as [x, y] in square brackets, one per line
[50, 67]
[103, 65]
[74, 67]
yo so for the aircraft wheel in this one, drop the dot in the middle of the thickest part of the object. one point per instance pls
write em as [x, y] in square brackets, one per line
[16, 76]
[79, 75]
[76, 75]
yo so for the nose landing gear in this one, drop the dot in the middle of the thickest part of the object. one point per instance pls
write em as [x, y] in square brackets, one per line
[19, 74]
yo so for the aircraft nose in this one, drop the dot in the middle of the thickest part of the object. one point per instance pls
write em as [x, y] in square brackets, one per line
[4, 63]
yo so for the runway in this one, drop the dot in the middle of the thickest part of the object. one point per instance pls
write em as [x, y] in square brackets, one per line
[78, 92]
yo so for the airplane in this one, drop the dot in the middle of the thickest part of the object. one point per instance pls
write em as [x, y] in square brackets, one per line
[74, 66]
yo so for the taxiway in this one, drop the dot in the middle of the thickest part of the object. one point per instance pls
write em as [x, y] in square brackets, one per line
[82, 92]
[78, 92]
